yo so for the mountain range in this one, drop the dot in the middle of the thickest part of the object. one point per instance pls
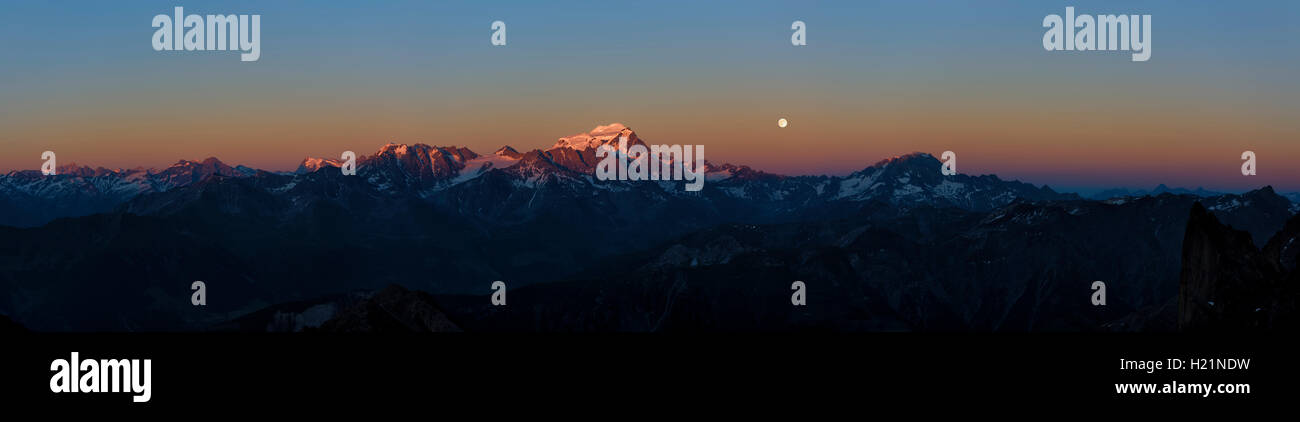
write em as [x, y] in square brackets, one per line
[894, 246]
[1160, 189]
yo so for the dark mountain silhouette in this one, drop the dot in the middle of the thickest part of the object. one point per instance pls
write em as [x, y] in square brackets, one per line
[9, 326]
[1161, 189]
[393, 309]
[1026, 267]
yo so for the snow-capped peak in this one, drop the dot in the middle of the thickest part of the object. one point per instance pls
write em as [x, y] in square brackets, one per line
[507, 151]
[396, 149]
[601, 135]
[311, 164]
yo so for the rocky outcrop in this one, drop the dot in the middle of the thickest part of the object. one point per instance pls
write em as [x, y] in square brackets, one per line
[1227, 284]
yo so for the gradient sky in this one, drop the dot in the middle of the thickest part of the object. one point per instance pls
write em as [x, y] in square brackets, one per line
[877, 78]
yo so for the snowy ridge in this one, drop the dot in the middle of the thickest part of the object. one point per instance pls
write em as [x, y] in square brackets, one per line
[557, 175]
[29, 198]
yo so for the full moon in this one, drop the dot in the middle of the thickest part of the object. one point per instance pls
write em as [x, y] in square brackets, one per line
[781, 123]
